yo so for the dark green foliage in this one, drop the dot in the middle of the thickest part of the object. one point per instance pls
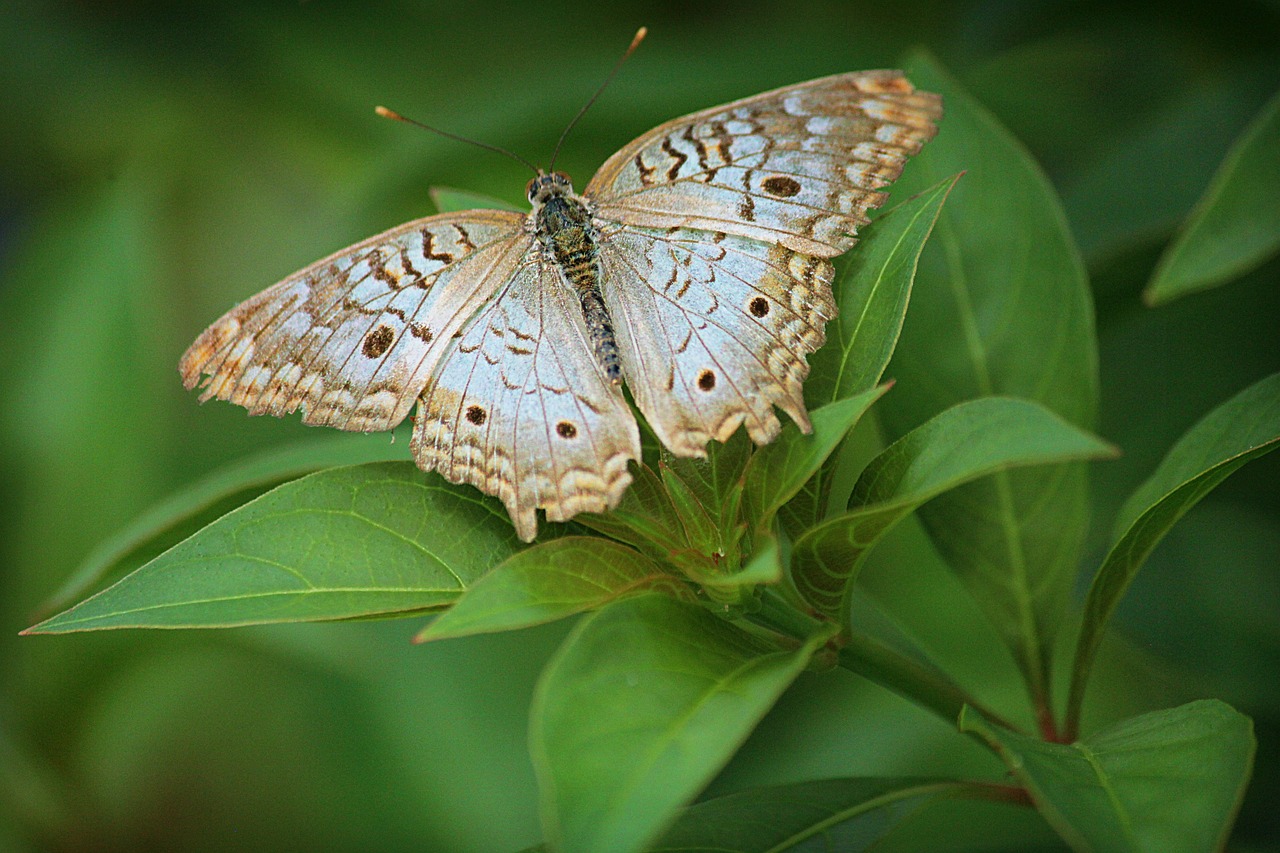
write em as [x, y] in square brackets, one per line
[935, 535]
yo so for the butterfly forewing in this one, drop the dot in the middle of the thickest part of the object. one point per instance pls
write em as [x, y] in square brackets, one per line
[521, 410]
[799, 166]
[353, 338]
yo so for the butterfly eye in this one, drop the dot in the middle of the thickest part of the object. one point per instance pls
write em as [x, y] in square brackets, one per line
[530, 188]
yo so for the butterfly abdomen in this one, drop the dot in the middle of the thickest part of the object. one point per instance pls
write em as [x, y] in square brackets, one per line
[565, 228]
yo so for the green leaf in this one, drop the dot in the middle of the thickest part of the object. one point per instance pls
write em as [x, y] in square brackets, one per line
[643, 704]
[1236, 224]
[872, 296]
[967, 441]
[1000, 306]
[848, 815]
[717, 481]
[450, 200]
[347, 542]
[184, 512]
[700, 530]
[645, 518]
[1164, 782]
[550, 581]
[779, 470]
[1243, 428]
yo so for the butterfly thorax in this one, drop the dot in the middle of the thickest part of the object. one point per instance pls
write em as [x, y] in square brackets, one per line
[563, 226]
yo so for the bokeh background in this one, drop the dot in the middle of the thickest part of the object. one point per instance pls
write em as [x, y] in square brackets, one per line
[160, 161]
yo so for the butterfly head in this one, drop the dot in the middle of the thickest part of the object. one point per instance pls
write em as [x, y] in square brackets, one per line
[547, 186]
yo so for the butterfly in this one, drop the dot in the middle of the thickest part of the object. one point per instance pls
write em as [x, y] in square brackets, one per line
[695, 267]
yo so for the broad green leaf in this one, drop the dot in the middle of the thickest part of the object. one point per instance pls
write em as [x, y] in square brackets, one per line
[645, 518]
[967, 441]
[779, 470]
[872, 290]
[1000, 306]
[348, 542]
[717, 480]
[550, 581]
[1243, 428]
[1163, 782]
[1236, 224]
[847, 815]
[643, 704]
[700, 529]
[450, 200]
[186, 511]
[872, 295]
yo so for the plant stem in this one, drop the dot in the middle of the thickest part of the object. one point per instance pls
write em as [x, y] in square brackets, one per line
[912, 679]
[879, 662]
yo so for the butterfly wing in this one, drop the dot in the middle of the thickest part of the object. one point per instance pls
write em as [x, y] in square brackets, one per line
[353, 338]
[716, 230]
[713, 330]
[798, 166]
[520, 409]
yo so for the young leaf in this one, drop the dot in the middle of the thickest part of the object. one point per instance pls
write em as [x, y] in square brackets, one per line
[342, 543]
[778, 470]
[965, 442]
[1243, 428]
[643, 704]
[550, 581]
[1169, 780]
[848, 815]
[872, 296]
[717, 480]
[1236, 224]
[184, 512]
[645, 518]
[1000, 306]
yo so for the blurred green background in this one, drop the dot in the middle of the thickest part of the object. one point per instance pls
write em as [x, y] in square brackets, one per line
[160, 161]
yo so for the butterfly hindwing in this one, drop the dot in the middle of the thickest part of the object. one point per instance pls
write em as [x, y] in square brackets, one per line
[520, 409]
[713, 330]
[353, 338]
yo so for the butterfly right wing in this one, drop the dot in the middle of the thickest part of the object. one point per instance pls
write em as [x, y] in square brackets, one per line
[353, 338]
[521, 409]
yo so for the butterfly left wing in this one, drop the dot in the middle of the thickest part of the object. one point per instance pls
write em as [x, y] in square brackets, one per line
[352, 338]
[798, 166]
[520, 408]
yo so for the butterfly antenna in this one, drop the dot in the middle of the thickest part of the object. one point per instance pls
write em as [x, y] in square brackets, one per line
[635, 42]
[395, 116]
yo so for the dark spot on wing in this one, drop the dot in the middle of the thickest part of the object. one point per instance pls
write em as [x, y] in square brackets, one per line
[378, 341]
[706, 380]
[566, 430]
[759, 306]
[781, 186]
[477, 415]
